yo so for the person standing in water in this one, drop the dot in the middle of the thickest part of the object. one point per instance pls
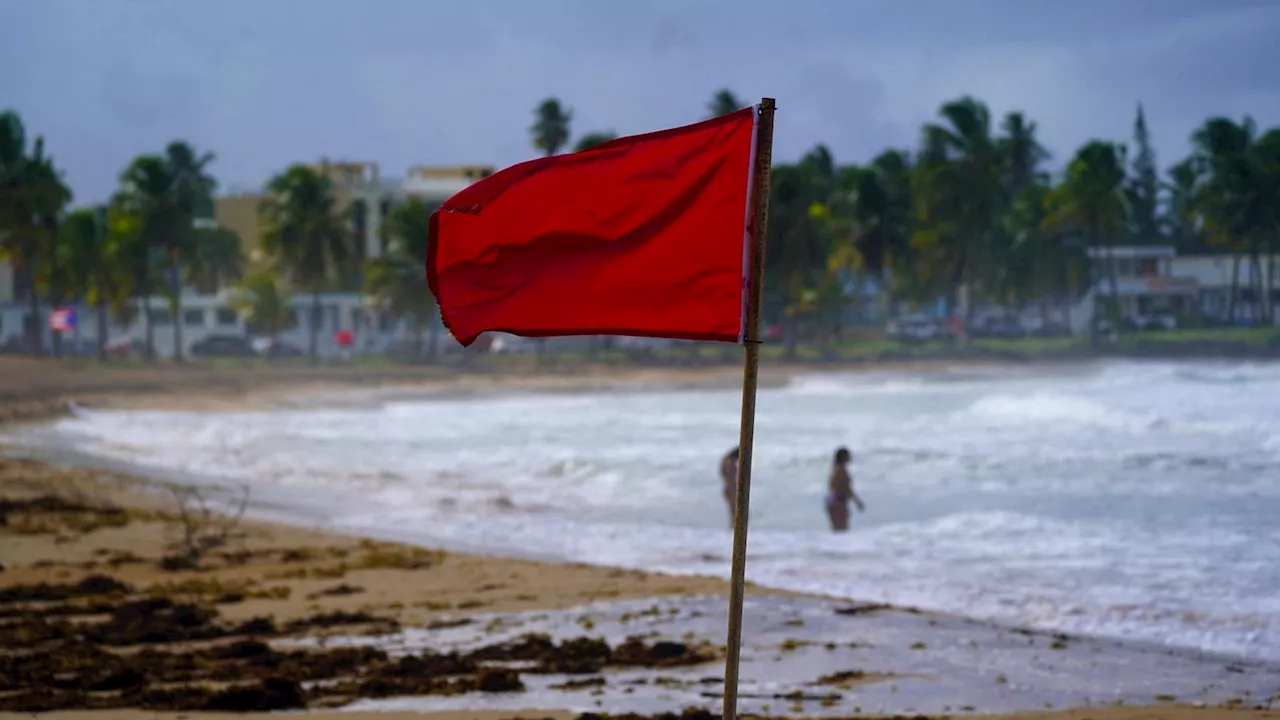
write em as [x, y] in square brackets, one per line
[729, 481]
[840, 492]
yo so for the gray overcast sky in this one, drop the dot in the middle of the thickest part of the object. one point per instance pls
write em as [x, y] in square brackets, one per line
[267, 82]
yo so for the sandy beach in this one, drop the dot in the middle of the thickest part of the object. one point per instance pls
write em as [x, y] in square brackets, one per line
[127, 597]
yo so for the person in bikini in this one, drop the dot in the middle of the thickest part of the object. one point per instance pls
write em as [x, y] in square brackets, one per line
[840, 492]
[729, 480]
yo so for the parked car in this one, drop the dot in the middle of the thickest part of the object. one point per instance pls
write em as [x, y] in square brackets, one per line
[994, 326]
[223, 346]
[914, 328]
[267, 347]
[1050, 328]
[125, 347]
[1150, 322]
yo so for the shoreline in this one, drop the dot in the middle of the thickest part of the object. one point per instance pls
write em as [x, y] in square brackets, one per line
[34, 390]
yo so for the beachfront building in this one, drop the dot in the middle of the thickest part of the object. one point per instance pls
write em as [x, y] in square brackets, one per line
[362, 194]
[1142, 281]
[1219, 277]
[366, 197]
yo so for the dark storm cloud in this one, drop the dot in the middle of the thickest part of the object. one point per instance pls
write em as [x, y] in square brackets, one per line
[404, 81]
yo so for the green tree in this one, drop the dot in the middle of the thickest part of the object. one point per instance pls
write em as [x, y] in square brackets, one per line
[873, 227]
[550, 129]
[961, 193]
[263, 302]
[1236, 202]
[1268, 153]
[1180, 221]
[398, 280]
[1144, 187]
[723, 102]
[189, 196]
[592, 139]
[215, 258]
[1022, 152]
[550, 134]
[1091, 201]
[32, 196]
[146, 223]
[89, 264]
[798, 245]
[306, 236]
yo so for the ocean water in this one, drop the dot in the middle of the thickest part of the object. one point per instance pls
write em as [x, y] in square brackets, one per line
[1132, 500]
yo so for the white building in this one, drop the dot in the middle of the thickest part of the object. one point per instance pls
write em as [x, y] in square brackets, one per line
[1146, 287]
[1213, 275]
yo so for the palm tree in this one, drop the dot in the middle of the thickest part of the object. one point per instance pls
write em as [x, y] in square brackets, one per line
[723, 102]
[190, 192]
[1236, 200]
[1021, 151]
[398, 280]
[263, 302]
[1092, 201]
[215, 257]
[798, 244]
[88, 262]
[592, 139]
[550, 133]
[876, 200]
[32, 196]
[965, 189]
[305, 236]
[148, 225]
[1180, 222]
[1268, 150]
[550, 129]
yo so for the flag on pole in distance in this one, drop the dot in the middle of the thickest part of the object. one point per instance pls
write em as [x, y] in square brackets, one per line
[62, 320]
[648, 235]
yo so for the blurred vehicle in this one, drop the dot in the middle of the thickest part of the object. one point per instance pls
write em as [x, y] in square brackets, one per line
[125, 346]
[505, 344]
[915, 329]
[1150, 322]
[994, 326]
[223, 346]
[267, 347]
[1049, 328]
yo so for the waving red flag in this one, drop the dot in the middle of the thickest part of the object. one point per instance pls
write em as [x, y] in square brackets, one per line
[647, 235]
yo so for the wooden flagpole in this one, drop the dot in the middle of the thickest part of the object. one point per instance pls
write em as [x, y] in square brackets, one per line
[750, 373]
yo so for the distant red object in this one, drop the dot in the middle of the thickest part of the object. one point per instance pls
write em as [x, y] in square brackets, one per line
[345, 338]
[62, 320]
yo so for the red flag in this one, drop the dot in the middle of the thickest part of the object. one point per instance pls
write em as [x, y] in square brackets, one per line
[646, 235]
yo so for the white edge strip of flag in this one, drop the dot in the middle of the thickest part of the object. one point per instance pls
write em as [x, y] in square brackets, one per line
[747, 244]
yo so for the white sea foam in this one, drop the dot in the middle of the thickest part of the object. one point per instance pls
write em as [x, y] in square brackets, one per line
[1130, 499]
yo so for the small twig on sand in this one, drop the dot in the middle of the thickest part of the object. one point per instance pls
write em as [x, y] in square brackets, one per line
[203, 529]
